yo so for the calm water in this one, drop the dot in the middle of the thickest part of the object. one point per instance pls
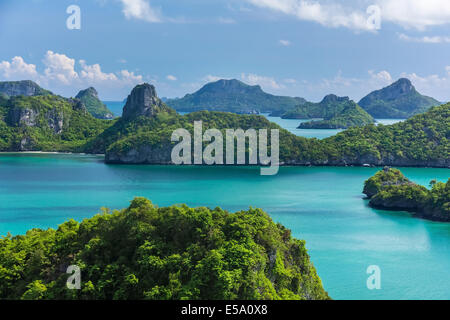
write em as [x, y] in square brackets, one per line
[288, 124]
[324, 206]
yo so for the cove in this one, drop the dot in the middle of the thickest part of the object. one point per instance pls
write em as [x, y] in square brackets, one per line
[322, 205]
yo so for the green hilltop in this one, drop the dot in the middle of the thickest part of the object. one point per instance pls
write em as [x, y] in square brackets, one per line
[93, 104]
[233, 96]
[173, 253]
[399, 100]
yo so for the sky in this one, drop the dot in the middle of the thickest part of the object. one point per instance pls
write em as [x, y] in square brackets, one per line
[304, 48]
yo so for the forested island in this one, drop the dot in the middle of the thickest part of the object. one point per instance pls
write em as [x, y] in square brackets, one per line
[390, 189]
[146, 252]
[143, 133]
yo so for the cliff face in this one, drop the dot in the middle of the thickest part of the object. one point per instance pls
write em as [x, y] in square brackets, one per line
[143, 101]
[25, 88]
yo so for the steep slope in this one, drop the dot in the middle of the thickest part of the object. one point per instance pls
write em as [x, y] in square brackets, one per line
[233, 96]
[93, 104]
[399, 100]
[25, 88]
[46, 123]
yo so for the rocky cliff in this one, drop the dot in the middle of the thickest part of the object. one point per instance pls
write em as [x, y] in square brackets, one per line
[143, 101]
[24, 88]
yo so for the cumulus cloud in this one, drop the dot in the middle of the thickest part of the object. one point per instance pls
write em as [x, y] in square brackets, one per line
[64, 75]
[17, 69]
[171, 78]
[141, 10]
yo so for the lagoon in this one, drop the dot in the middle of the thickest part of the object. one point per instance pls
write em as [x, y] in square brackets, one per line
[322, 205]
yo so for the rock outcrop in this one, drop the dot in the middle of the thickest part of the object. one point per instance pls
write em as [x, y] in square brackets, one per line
[24, 88]
[143, 101]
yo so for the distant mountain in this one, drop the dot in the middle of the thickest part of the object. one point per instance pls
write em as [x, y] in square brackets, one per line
[400, 100]
[93, 104]
[233, 96]
[329, 107]
[22, 88]
[339, 113]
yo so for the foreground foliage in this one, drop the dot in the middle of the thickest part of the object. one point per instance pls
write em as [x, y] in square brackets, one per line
[145, 252]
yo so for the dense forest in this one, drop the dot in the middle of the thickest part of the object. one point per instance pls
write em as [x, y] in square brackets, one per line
[390, 189]
[146, 252]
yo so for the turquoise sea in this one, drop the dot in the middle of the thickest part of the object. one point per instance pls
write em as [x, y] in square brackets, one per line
[323, 205]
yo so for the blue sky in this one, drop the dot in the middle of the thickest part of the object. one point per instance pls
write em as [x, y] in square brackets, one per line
[289, 47]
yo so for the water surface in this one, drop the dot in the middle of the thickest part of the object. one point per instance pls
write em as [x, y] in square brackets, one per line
[323, 205]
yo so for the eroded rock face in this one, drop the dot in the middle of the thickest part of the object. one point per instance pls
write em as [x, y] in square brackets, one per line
[22, 117]
[55, 121]
[143, 101]
[144, 154]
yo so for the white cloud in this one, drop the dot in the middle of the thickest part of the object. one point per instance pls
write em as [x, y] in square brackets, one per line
[330, 14]
[59, 67]
[264, 82]
[211, 78]
[141, 10]
[17, 69]
[425, 39]
[418, 14]
[285, 43]
[61, 75]
[171, 78]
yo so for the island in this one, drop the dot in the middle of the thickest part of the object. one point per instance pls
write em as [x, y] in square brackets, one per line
[399, 100]
[172, 253]
[346, 114]
[143, 134]
[389, 189]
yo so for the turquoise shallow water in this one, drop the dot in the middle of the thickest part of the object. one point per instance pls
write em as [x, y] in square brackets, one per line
[324, 206]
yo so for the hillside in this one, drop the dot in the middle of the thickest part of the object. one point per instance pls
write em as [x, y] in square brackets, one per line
[94, 106]
[146, 252]
[25, 88]
[420, 141]
[46, 123]
[346, 114]
[390, 189]
[233, 96]
[400, 100]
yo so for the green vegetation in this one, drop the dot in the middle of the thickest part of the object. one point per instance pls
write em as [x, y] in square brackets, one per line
[330, 106]
[399, 100]
[390, 189]
[351, 115]
[93, 104]
[233, 96]
[145, 252]
[46, 123]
